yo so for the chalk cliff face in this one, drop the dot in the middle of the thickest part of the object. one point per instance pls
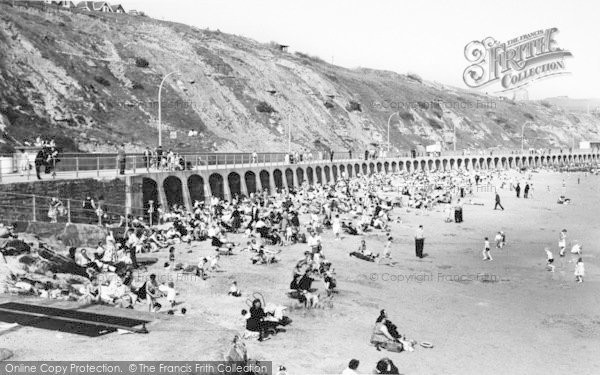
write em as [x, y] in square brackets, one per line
[90, 80]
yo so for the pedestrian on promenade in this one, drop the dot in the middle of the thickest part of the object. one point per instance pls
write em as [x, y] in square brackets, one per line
[121, 157]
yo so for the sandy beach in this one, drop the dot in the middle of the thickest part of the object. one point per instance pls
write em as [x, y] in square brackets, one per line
[509, 315]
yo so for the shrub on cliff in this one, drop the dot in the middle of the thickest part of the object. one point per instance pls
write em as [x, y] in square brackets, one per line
[353, 106]
[141, 62]
[264, 107]
[101, 80]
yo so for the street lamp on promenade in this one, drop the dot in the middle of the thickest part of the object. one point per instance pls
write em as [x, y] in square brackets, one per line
[160, 107]
[523, 137]
[388, 130]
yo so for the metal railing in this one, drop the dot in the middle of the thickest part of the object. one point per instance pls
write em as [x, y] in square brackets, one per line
[108, 165]
[39, 208]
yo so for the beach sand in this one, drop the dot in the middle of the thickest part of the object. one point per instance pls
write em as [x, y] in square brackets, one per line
[509, 315]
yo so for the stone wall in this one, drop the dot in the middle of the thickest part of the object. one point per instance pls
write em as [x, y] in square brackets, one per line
[16, 203]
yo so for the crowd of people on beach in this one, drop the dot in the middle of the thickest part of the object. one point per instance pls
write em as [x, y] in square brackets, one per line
[269, 222]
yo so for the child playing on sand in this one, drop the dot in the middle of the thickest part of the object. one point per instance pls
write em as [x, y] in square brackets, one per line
[562, 242]
[499, 240]
[579, 271]
[171, 293]
[486, 250]
[387, 250]
[337, 227]
[171, 258]
[214, 263]
[550, 260]
[233, 290]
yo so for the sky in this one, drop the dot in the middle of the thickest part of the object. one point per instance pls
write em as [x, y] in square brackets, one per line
[427, 37]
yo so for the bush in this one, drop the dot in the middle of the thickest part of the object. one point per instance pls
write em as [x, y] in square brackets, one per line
[414, 77]
[264, 107]
[353, 106]
[141, 62]
[137, 86]
[435, 123]
[528, 116]
[407, 116]
[101, 80]
[328, 104]
[546, 104]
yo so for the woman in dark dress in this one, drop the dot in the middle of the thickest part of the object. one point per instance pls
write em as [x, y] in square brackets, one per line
[256, 321]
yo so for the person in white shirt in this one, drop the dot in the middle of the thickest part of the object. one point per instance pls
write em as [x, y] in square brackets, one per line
[486, 250]
[337, 227]
[550, 260]
[562, 242]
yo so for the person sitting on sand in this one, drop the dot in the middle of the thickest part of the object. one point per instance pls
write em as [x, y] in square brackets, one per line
[234, 290]
[385, 335]
[262, 258]
[363, 253]
[386, 366]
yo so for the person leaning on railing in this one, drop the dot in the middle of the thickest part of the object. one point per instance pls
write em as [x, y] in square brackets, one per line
[121, 158]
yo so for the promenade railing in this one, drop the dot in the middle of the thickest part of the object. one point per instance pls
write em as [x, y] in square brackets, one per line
[107, 164]
[39, 208]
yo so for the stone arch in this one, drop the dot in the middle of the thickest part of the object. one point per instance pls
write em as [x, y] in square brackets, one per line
[379, 167]
[430, 165]
[195, 185]
[400, 166]
[356, 169]
[423, 165]
[334, 173]
[310, 176]
[451, 163]
[343, 170]
[235, 184]
[327, 174]
[394, 166]
[250, 180]
[459, 163]
[371, 168]
[408, 166]
[217, 188]
[319, 175]
[289, 177]
[278, 179]
[150, 193]
[496, 161]
[444, 164]
[365, 169]
[173, 191]
[415, 165]
[265, 180]
[438, 164]
[300, 176]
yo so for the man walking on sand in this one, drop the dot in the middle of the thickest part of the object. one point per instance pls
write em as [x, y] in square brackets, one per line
[498, 202]
[419, 242]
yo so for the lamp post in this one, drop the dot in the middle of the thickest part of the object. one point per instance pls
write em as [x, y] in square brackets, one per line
[454, 136]
[160, 107]
[388, 130]
[523, 137]
[289, 133]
